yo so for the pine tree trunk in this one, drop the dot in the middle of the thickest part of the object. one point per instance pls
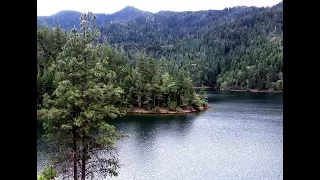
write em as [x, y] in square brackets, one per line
[139, 101]
[179, 98]
[74, 148]
[84, 88]
[154, 100]
[83, 164]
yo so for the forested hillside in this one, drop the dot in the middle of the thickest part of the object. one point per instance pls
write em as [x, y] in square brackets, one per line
[237, 48]
[147, 85]
[70, 19]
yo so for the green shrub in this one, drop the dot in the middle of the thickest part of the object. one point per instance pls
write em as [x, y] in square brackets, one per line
[178, 109]
[279, 84]
[173, 106]
[48, 173]
[156, 109]
[198, 101]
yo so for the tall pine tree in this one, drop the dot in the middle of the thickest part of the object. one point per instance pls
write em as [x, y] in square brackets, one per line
[77, 108]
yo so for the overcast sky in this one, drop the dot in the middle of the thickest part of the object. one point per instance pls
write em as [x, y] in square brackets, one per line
[49, 7]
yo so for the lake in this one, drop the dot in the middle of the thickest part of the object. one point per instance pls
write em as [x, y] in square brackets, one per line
[239, 137]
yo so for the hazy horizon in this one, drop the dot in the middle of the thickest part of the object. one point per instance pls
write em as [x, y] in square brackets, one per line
[50, 7]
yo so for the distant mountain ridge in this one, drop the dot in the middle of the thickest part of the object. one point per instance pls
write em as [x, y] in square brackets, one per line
[238, 48]
[68, 18]
[233, 48]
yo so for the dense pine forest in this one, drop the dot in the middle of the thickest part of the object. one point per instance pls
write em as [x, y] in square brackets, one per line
[96, 67]
[83, 82]
[147, 84]
[237, 48]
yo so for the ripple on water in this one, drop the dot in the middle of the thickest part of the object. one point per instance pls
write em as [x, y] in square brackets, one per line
[239, 138]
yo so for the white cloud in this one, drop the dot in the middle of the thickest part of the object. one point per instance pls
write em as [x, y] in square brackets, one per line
[49, 7]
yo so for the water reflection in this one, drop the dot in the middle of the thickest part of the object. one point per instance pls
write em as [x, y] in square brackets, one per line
[145, 128]
[239, 138]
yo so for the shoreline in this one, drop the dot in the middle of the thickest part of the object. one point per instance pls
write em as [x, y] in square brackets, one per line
[205, 87]
[164, 111]
[240, 90]
[161, 111]
[255, 91]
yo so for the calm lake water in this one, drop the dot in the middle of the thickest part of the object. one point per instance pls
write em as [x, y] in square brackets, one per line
[239, 137]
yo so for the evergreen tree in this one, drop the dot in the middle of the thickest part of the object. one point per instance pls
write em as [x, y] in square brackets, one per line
[211, 46]
[203, 94]
[75, 111]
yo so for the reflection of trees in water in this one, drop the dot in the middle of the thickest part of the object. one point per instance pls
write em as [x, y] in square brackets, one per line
[150, 127]
[216, 97]
[145, 128]
[183, 123]
[148, 131]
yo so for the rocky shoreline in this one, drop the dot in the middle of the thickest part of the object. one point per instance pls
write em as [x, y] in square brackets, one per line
[166, 111]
